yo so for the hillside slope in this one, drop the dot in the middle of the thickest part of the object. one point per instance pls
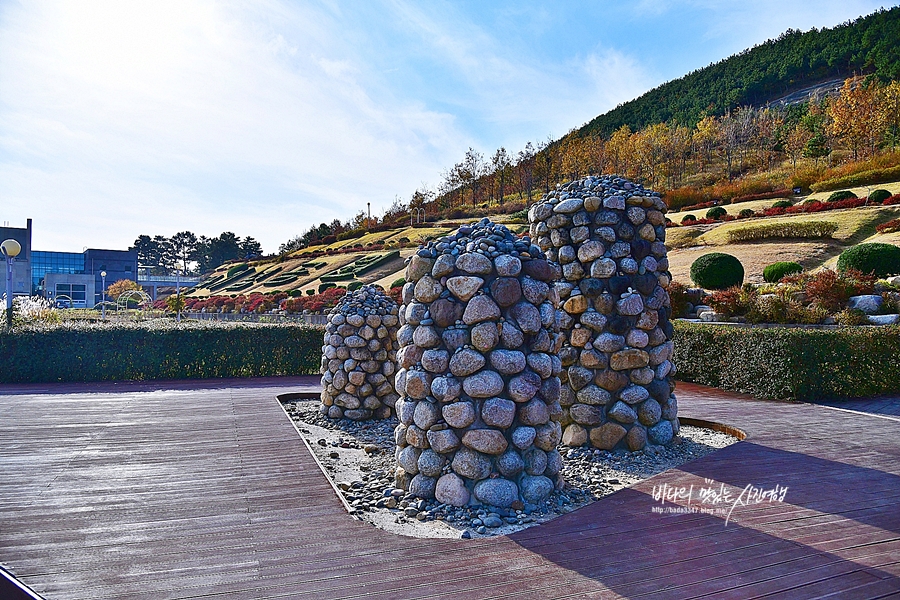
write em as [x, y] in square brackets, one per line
[764, 73]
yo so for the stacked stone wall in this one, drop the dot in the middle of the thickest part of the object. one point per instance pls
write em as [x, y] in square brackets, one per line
[608, 235]
[359, 356]
[478, 371]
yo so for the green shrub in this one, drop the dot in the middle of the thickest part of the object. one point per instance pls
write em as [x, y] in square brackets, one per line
[237, 269]
[784, 229]
[782, 204]
[851, 316]
[354, 285]
[158, 349]
[790, 363]
[399, 282]
[310, 292]
[879, 196]
[841, 195]
[294, 293]
[716, 213]
[325, 286]
[746, 212]
[717, 271]
[875, 258]
[863, 178]
[774, 272]
[688, 219]
[520, 216]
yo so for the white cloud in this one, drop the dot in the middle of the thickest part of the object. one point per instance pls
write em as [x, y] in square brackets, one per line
[122, 118]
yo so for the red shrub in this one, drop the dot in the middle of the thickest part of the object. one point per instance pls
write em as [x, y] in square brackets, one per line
[895, 199]
[889, 227]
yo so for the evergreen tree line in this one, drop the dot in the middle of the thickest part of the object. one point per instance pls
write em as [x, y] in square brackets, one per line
[190, 254]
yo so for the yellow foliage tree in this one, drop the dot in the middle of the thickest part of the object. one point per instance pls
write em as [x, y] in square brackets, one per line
[854, 116]
[120, 287]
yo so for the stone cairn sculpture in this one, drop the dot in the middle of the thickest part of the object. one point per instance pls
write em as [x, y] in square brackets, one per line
[478, 371]
[607, 234]
[359, 356]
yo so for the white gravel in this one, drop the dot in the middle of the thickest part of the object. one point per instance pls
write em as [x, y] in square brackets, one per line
[359, 457]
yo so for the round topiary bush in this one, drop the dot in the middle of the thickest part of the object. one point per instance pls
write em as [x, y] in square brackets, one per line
[879, 196]
[716, 212]
[717, 271]
[746, 212]
[841, 195]
[774, 272]
[325, 286]
[782, 204]
[879, 259]
[688, 219]
[354, 285]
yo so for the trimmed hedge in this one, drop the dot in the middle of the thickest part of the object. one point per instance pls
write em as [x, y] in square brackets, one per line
[857, 179]
[77, 351]
[881, 260]
[781, 363]
[774, 272]
[788, 229]
[717, 271]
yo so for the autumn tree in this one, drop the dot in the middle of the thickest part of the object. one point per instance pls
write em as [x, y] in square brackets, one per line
[120, 287]
[705, 138]
[500, 167]
[618, 150]
[795, 142]
[855, 117]
[525, 171]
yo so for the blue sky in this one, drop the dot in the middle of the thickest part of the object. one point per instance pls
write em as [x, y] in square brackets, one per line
[263, 118]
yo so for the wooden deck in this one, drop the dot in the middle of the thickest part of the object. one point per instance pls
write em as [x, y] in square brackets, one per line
[205, 490]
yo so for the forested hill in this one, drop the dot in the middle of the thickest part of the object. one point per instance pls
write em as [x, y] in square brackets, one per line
[867, 46]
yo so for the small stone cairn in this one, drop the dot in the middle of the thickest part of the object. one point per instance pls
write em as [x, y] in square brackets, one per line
[607, 234]
[478, 371]
[359, 356]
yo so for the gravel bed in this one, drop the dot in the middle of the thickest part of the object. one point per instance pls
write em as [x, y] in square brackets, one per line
[359, 456]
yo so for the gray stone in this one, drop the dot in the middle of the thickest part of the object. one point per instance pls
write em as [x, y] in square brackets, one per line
[535, 291]
[523, 388]
[869, 304]
[535, 489]
[507, 266]
[510, 463]
[435, 361]
[884, 319]
[422, 486]
[661, 433]
[459, 414]
[465, 362]
[634, 394]
[472, 262]
[535, 461]
[498, 412]
[408, 459]
[486, 441]
[446, 389]
[428, 289]
[609, 342]
[522, 437]
[471, 464]
[443, 441]
[593, 395]
[506, 291]
[572, 205]
[480, 308]
[426, 414]
[622, 413]
[584, 414]
[430, 463]
[418, 384]
[497, 492]
[534, 412]
[508, 362]
[451, 489]
[526, 316]
[464, 287]
[483, 384]
[631, 305]
[418, 267]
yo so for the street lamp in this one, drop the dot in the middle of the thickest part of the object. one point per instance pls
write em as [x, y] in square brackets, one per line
[178, 295]
[10, 249]
[103, 304]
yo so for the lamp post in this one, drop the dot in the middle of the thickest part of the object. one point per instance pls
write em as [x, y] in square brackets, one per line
[10, 249]
[178, 295]
[103, 302]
